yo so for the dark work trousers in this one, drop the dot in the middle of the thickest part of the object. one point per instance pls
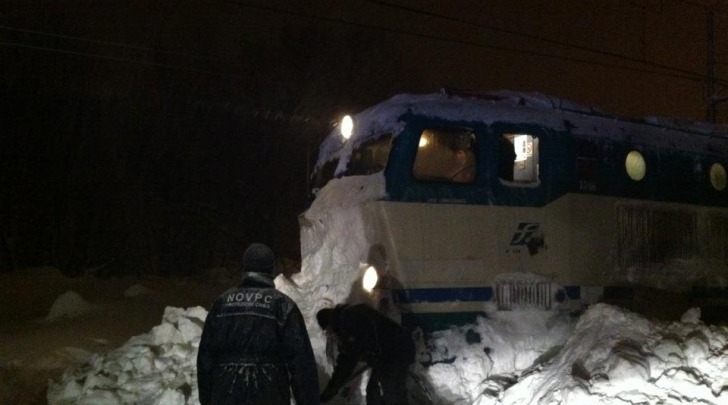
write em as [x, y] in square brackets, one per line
[388, 384]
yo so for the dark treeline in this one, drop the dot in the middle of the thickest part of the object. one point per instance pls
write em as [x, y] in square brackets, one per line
[121, 168]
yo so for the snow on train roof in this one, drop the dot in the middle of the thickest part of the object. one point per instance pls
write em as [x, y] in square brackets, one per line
[521, 107]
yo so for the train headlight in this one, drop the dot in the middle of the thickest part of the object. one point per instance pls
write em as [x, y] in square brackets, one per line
[635, 165]
[347, 126]
[370, 279]
[718, 176]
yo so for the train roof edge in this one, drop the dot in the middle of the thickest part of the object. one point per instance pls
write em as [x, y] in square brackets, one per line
[501, 106]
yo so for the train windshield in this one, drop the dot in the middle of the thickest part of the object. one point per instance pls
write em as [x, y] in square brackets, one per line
[446, 155]
[368, 158]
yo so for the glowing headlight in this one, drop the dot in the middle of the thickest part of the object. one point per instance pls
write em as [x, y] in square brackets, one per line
[347, 126]
[370, 279]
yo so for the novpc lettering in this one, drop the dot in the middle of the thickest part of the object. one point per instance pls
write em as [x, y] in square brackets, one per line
[249, 296]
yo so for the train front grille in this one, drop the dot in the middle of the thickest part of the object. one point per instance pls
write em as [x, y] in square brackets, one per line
[519, 294]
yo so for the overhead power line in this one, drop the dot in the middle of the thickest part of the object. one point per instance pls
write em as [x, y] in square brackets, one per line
[95, 41]
[675, 72]
[670, 71]
[114, 58]
[529, 36]
[58, 50]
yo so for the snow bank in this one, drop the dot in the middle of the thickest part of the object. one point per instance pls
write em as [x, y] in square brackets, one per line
[333, 245]
[158, 367]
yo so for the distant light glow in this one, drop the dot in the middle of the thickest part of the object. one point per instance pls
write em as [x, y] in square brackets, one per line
[423, 142]
[347, 126]
[370, 279]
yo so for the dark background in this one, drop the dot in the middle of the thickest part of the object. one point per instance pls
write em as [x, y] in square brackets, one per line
[161, 137]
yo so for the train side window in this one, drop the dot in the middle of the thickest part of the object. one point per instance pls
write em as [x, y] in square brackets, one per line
[635, 165]
[446, 155]
[519, 158]
[718, 176]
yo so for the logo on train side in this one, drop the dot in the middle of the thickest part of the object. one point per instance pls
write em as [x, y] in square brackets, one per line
[527, 234]
[524, 233]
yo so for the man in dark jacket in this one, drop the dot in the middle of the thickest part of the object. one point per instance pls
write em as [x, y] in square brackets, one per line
[255, 348]
[364, 334]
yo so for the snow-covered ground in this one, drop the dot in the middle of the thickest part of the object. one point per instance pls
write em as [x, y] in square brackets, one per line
[605, 356]
[49, 322]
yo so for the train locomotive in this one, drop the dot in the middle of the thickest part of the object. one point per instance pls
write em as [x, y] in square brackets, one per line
[510, 200]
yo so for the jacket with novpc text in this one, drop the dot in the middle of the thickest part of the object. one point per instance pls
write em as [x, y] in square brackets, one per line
[254, 348]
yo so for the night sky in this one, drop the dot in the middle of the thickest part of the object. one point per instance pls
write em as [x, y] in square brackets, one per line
[161, 137]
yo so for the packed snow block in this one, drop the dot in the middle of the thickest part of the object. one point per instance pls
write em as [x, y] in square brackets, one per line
[69, 304]
[143, 361]
[189, 329]
[169, 397]
[166, 333]
[136, 290]
[97, 381]
[172, 315]
[67, 393]
[158, 367]
[691, 316]
[196, 314]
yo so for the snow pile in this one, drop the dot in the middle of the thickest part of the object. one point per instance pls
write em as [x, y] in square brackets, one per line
[611, 356]
[69, 304]
[617, 357]
[158, 367]
[459, 364]
[606, 356]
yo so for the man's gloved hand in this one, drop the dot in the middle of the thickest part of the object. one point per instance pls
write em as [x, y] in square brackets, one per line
[328, 394]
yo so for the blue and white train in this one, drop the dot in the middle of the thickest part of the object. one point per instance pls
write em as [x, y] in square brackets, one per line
[518, 200]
